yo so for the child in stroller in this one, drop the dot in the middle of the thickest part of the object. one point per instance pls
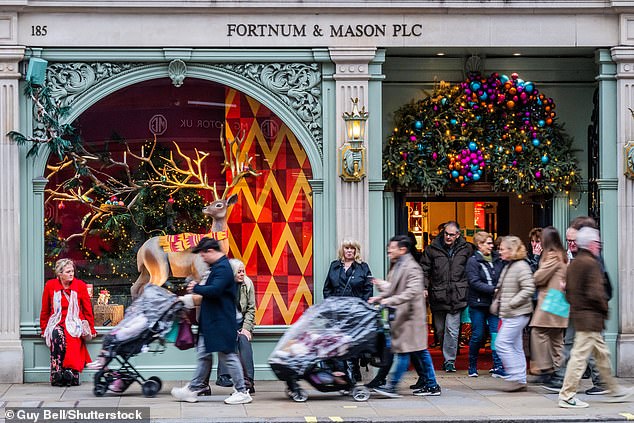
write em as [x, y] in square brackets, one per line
[146, 320]
[320, 345]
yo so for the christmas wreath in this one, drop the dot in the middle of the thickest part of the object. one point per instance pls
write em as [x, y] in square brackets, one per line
[497, 129]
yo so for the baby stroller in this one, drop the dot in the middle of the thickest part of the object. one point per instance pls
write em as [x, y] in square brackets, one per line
[146, 320]
[318, 347]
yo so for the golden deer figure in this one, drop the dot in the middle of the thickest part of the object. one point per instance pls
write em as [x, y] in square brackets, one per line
[153, 261]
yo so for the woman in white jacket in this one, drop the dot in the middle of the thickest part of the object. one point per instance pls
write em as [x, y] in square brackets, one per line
[516, 287]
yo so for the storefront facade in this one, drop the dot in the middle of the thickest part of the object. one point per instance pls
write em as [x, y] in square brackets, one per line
[285, 74]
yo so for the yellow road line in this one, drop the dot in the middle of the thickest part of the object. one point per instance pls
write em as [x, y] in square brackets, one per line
[628, 416]
[310, 419]
[335, 418]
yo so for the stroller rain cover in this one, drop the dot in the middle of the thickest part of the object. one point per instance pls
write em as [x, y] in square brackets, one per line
[339, 327]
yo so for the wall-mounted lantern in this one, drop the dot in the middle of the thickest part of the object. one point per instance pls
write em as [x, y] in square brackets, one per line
[353, 151]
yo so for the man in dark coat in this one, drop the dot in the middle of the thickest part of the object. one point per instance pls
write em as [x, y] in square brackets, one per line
[446, 285]
[585, 291]
[218, 326]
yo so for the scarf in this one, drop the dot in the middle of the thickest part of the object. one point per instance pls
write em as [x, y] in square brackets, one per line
[73, 322]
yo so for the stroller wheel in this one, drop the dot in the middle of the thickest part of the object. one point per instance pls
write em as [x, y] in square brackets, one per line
[150, 388]
[100, 389]
[360, 393]
[157, 380]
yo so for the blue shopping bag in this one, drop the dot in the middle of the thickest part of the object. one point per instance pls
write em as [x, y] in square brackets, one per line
[555, 303]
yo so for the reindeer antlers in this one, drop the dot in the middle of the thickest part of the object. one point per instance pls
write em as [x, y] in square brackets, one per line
[167, 174]
[239, 168]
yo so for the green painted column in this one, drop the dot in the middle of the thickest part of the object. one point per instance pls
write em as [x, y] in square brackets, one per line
[608, 184]
[376, 214]
[561, 212]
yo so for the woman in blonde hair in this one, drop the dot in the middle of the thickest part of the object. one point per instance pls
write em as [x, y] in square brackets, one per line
[66, 309]
[516, 288]
[349, 276]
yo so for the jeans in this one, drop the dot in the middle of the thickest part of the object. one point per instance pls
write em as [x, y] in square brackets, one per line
[480, 319]
[510, 348]
[205, 363]
[245, 352]
[447, 326]
[426, 372]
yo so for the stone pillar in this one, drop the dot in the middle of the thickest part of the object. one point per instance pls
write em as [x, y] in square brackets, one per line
[624, 58]
[11, 355]
[352, 73]
[608, 186]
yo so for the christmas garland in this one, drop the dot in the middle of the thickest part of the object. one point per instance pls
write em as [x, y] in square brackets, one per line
[496, 129]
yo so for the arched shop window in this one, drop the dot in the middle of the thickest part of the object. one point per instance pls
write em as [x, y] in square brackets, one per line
[269, 228]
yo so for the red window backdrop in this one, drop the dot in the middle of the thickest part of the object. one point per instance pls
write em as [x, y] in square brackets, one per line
[270, 227]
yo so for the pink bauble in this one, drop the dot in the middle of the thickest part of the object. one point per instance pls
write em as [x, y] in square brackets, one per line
[538, 174]
[413, 138]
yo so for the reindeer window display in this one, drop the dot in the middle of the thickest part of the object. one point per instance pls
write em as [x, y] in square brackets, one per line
[108, 198]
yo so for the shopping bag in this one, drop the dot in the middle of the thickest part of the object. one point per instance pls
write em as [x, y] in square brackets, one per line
[185, 338]
[173, 333]
[555, 303]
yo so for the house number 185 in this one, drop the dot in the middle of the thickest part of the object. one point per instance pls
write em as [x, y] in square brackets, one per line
[39, 30]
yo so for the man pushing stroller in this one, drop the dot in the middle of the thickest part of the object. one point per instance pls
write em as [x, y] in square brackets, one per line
[217, 325]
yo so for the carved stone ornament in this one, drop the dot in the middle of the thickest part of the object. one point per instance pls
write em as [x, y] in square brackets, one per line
[177, 71]
[298, 85]
[628, 158]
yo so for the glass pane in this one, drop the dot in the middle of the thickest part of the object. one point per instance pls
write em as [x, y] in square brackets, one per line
[270, 227]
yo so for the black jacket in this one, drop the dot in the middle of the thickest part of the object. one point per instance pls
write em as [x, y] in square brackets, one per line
[445, 277]
[357, 282]
[480, 287]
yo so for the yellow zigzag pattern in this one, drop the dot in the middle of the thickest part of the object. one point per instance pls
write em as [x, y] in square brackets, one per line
[271, 184]
[273, 293]
[256, 238]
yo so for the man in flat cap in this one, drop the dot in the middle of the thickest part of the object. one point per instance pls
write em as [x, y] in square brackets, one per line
[217, 325]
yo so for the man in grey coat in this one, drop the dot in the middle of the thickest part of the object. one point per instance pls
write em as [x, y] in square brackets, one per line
[403, 291]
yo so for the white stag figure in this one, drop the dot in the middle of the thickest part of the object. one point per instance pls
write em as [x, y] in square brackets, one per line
[155, 258]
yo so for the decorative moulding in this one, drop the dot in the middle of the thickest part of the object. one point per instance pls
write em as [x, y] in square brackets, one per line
[8, 28]
[296, 85]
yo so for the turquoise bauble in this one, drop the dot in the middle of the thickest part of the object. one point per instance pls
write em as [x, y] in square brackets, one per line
[545, 159]
[473, 146]
[536, 142]
[418, 125]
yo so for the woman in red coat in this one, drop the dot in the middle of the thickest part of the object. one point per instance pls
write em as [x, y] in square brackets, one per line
[65, 306]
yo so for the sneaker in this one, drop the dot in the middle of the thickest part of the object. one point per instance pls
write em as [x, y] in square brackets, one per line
[433, 391]
[185, 394]
[224, 381]
[539, 379]
[553, 386]
[513, 386]
[94, 365]
[498, 373]
[622, 395]
[420, 383]
[375, 383]
[387, 391]
[450, 366]
[204, 392]
[239, 398]
[572, 403]
[472, 373]
[597, 390]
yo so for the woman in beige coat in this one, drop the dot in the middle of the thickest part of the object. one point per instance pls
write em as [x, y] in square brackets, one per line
[516, 291]
[547, 334]
[403, 291]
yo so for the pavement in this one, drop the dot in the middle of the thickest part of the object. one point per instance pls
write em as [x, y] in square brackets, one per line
[463, 399]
